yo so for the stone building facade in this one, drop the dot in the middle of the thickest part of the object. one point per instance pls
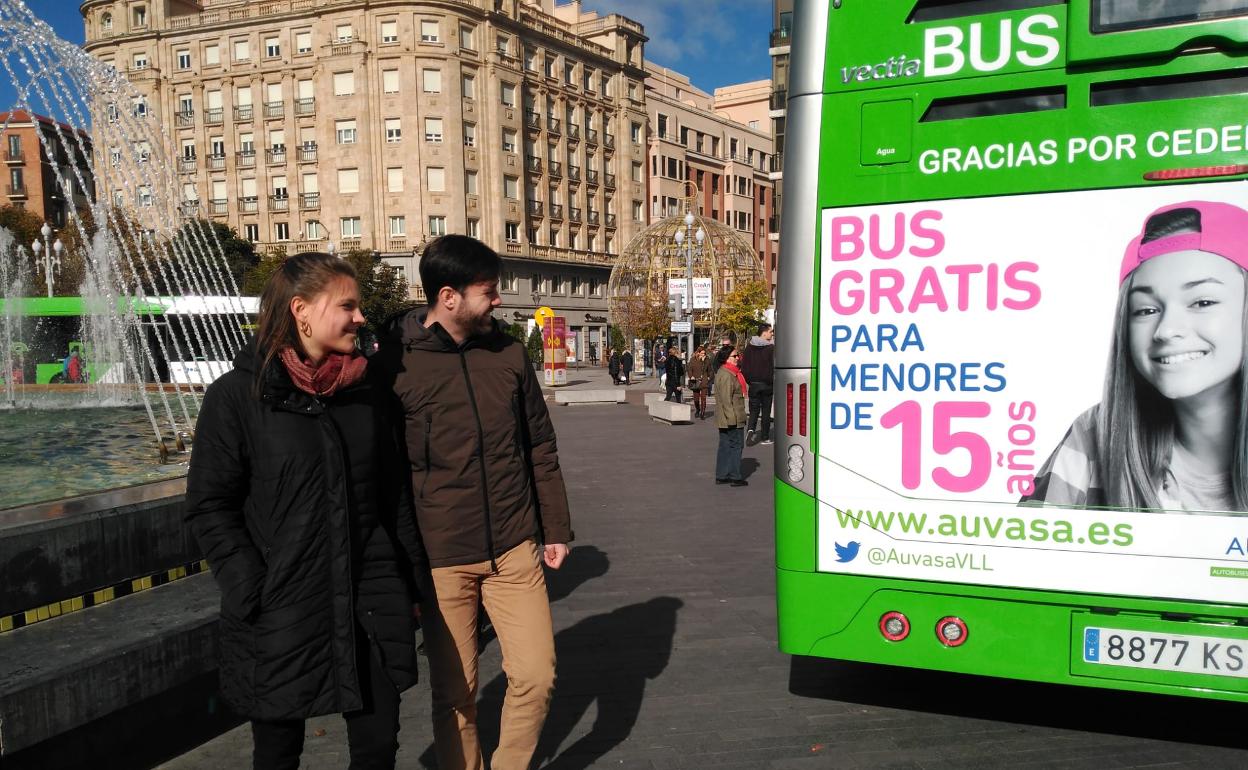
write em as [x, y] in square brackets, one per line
[31, 166]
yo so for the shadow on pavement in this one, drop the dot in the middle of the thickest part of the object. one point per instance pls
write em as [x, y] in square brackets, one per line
[748, 466]
[1113, 712]
[637, 640]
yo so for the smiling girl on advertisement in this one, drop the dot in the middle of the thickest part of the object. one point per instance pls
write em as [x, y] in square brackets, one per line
[1170, 432]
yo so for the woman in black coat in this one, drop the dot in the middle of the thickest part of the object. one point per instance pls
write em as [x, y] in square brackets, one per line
[613, 367]
[299, 498]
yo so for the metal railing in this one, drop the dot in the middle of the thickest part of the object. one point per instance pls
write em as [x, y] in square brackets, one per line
[533, 163]
[216, 162]
[248, 205]
[608, 141]
[218, 207]
[187, 165]
[779, 37]
[279, 203]
[307, 153]
[594, 217]
[536, 208]
[574, 173]
[184, 118]
[309, 201]
[214, 117]
[609, 180]
[574, 214]
[553, 125]
[574, 132]
[591, 136]
[556, 211]
[305, 106]
[16, 190]
[555, 168]
[532, 119]
[275, 155]
[244, 113]
[274, 110]
[591, 175]
[779, 98]
[12, 157]
[246, 158]
[610, 220]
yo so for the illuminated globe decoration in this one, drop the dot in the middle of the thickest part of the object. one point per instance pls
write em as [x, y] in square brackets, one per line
[638, 289]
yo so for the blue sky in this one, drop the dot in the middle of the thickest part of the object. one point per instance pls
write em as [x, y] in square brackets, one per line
[714, 42]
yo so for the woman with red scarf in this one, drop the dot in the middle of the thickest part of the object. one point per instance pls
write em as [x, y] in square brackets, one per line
[300, 499]
[730, 417]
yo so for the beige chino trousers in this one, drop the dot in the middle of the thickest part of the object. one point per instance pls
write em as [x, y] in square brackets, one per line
[515, 599]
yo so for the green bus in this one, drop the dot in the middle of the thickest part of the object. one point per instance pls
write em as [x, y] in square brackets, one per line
[1011, 370]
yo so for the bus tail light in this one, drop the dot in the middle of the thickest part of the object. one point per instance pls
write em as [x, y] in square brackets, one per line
[797, 463]
[801, 421]
[894, 626]
[1198, 172]
[951, 631]
[788, 409]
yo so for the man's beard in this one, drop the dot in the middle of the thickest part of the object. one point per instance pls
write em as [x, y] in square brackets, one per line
[476, 324]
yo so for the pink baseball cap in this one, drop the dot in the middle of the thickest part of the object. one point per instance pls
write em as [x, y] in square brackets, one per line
[1223, 231]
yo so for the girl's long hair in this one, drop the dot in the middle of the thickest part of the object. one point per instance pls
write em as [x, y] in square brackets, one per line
[1135, 423]
[305, 275]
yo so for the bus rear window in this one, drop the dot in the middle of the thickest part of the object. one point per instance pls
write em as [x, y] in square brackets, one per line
[1118, 15]
[986, 105]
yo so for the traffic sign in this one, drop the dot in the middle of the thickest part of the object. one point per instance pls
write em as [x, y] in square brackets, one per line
[540, 317]
[682, 327]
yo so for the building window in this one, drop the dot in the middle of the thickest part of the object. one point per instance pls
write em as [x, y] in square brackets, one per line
[569, 73]
[469, 87]
[431, 81]
[212, 55]
[433, 130]
[106, 22]
[313, 230]
[281, 231]
[184, 60]
[556, 284]
[509, 140]
[398, 227]
[435, 179]
[348, 180]
[390, 81]
[272, 48]
[530, 60]
[437, 225]
[429, 31]
[251, 232]
[635, 131]
[466, 37]
[470, 135]
[550, 65]
[394, 131]
[139, 107]
[509, 282]
[502, 44]
[345, 131]
[344, 33]
[350, 227]
[140, 16]
[470, 183]
[389, 32]
[509, 95]
[511, 232]
[636, 171]
[344, 83]
[242, 50]
[303, 42]
[511, 188]
[637, 211]
[394, 179]
[574, 286]
[139, 61]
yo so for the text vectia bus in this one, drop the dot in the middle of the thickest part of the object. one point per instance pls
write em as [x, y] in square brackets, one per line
[1012, 335]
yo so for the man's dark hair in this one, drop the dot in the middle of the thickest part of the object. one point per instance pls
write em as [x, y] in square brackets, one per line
[457, 261]
[764, 328]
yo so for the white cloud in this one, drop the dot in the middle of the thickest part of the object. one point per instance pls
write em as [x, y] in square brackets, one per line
[692, 31]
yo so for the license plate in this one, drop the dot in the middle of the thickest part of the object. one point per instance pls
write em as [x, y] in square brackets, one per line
[1215, 655]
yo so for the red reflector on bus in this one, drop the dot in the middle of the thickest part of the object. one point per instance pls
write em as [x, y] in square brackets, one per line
[788, 399]
[894, 626]
[951, 631]
[1199, 172]
[801, 421]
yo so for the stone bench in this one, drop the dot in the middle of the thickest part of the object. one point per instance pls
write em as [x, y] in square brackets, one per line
[671, 412]
[603, 396]
[654, 398]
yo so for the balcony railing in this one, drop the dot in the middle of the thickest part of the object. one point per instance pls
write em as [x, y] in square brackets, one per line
[533, 163]
[779, 37]
[396, 243]
[187, 165]
[307, 153]
[216, 162]
[536, 208]
[555, 168]
[610, 220]
[279, 203]
[574, 132]
[591, 175]
[591, 136]
[275, 156]
[274, 109]
[553, 125]
[595, 217]
[560, 254]
[248, 205]
[218, 207]
[190, 208]
[574, 173]
[773, 224]
[556, 211]
[609, 179]
[574, 214]
[14, 157]
[305, 106]
[777, 162]
[532, 119]
[309, 201]
[16, 190]
[246, 158]
[185, 119]
[244, 113]
[214, 117]
[779, 98]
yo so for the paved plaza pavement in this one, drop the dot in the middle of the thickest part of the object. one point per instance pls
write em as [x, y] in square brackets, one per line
[665, 629]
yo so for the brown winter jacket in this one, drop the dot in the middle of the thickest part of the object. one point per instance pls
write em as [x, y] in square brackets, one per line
[485, 469]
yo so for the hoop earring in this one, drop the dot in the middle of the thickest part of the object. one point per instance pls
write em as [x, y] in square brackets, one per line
[305, 328]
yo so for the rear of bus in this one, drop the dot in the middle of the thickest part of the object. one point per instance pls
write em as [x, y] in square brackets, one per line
[1015, 235]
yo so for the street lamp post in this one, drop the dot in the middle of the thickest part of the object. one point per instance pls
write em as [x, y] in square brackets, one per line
[51, 254]
[683, 239]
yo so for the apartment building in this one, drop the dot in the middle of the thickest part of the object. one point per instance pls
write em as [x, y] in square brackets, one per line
[695, 139]
[379, 125]
[781, 32]
[31, 166]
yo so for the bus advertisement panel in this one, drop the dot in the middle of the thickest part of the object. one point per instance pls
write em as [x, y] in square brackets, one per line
[971, 352]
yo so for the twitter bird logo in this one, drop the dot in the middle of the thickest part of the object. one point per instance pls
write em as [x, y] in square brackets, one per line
[845, 553]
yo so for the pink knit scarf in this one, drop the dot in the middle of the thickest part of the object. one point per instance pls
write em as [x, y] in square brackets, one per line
[336, 372]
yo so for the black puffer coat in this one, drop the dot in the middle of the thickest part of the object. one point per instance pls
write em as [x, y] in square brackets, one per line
[303, 510]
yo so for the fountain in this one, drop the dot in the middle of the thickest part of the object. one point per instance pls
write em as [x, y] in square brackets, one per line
[142, 357]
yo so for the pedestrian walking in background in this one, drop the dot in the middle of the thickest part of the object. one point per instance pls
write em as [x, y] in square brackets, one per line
[758, 365]
[674, 370]
[613, 366]
[699, 380]
[730, 416]
[647, 361]
[490, 500]
[626, 365]
[297, 494]
[660, 366]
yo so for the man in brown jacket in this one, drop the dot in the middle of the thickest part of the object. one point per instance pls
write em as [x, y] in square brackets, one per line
[490, 499]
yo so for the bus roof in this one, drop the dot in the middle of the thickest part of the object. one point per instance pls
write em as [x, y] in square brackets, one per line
[181, 305]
